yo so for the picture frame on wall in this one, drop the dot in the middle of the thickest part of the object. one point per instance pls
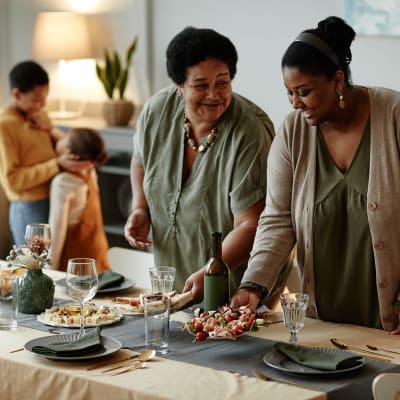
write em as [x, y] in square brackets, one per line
[372, 17]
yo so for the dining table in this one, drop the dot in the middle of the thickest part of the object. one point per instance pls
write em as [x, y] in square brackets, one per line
[210, 369]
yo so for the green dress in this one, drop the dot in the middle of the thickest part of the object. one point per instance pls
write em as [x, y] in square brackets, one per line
[345, 277]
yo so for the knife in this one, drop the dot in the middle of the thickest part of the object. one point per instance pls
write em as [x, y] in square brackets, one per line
[367, 353]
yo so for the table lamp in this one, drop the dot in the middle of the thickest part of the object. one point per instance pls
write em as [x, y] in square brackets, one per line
[61, 36]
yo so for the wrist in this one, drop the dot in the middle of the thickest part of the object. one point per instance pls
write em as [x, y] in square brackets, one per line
[262, 291]
[140, 210]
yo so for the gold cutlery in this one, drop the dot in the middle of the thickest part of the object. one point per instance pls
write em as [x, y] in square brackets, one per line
[128, 364]
[259, 375]
[16, 350]
[143, 356]
[110, 362]
[139, 365]
[369, 354]
[381, 349]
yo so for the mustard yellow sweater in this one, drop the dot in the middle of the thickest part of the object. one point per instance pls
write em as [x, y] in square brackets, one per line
[27, 158]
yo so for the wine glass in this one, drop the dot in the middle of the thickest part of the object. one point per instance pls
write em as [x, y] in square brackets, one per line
[294, 306]
[38, 237]
[82, 281]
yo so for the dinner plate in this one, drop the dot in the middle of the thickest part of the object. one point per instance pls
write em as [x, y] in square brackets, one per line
[279, 361]
[41, 318]
[110, 346]
[125, 284]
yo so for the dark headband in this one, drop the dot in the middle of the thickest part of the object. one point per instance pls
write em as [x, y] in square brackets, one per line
[320, 45]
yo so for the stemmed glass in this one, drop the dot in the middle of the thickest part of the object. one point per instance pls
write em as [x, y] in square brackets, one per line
[38, 237]
[294, 306]
[82, 281]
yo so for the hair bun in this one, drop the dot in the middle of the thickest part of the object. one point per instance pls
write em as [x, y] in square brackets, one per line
[339, 35]
[337, 30]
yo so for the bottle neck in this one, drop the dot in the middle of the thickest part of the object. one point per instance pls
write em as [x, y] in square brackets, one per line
[217, 245]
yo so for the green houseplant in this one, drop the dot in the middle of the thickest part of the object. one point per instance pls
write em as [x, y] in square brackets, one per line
[113, 73]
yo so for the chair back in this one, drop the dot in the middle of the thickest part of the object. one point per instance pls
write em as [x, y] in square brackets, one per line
[386, 386]
[133, 264]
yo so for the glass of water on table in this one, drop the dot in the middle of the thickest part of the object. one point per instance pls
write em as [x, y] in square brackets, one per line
[162, 279]
[294, 306]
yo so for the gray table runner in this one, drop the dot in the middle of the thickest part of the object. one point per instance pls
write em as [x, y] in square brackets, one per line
[236, 356]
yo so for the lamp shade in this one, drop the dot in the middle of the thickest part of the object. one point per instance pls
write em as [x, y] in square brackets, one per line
[61, 35]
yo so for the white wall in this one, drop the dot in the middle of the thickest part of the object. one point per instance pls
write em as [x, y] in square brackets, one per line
[260, 29]
[116, 21]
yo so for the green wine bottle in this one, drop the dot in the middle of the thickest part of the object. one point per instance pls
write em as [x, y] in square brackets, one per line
[216, 277]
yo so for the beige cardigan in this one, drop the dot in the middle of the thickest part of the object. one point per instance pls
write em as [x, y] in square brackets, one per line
[287, 217]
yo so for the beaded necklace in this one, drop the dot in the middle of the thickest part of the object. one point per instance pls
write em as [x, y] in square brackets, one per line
[190, 139]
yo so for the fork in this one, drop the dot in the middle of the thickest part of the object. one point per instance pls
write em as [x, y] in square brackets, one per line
[259, 375]
[138, 365]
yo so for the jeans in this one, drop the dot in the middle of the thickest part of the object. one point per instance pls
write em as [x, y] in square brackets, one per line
[23, 212]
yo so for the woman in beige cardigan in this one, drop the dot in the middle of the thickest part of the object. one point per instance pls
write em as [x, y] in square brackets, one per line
[333, 188]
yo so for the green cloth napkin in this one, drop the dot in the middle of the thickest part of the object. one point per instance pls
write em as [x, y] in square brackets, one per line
[109, 278]
[325, 359]
[88, 343]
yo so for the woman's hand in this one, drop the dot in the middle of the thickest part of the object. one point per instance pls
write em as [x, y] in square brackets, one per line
[195, 283]
[71, 163]
[246, 297]
[396, 331]
[38, 122]
[137, 229]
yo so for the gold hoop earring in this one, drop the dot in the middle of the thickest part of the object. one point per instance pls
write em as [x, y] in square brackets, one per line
[342, 103]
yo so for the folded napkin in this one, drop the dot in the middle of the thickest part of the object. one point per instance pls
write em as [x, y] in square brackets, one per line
[88, 343]
[325, 359]
[109, 278]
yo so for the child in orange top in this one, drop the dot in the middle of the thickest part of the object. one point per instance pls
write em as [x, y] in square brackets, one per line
[75, 210]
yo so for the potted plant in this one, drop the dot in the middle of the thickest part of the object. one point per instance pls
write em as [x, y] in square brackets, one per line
[114, 76]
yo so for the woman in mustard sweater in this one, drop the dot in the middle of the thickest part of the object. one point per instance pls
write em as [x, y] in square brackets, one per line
[28, 160]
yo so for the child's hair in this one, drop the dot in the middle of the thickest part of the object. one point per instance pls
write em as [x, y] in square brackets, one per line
[88, 145]
[26, 75]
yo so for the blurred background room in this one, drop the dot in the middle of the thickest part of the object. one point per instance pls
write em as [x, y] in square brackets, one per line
[260, 29]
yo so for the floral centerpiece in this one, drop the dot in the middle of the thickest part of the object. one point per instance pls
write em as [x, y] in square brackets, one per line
[35, 289]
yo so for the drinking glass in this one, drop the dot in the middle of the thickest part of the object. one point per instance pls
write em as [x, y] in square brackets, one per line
[156, 321]
[162, 279]
[294, 306]
[82, 281]
[38, 237]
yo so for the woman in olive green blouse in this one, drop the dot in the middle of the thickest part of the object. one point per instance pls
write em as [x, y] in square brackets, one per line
[199, 162]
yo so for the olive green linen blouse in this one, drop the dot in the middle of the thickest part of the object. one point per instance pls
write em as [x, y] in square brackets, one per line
[225, 180]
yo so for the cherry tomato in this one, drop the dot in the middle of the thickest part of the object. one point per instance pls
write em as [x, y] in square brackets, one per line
[200, 336]
[249, 323]
[237, 330]
[228, 317]
[198, 326]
